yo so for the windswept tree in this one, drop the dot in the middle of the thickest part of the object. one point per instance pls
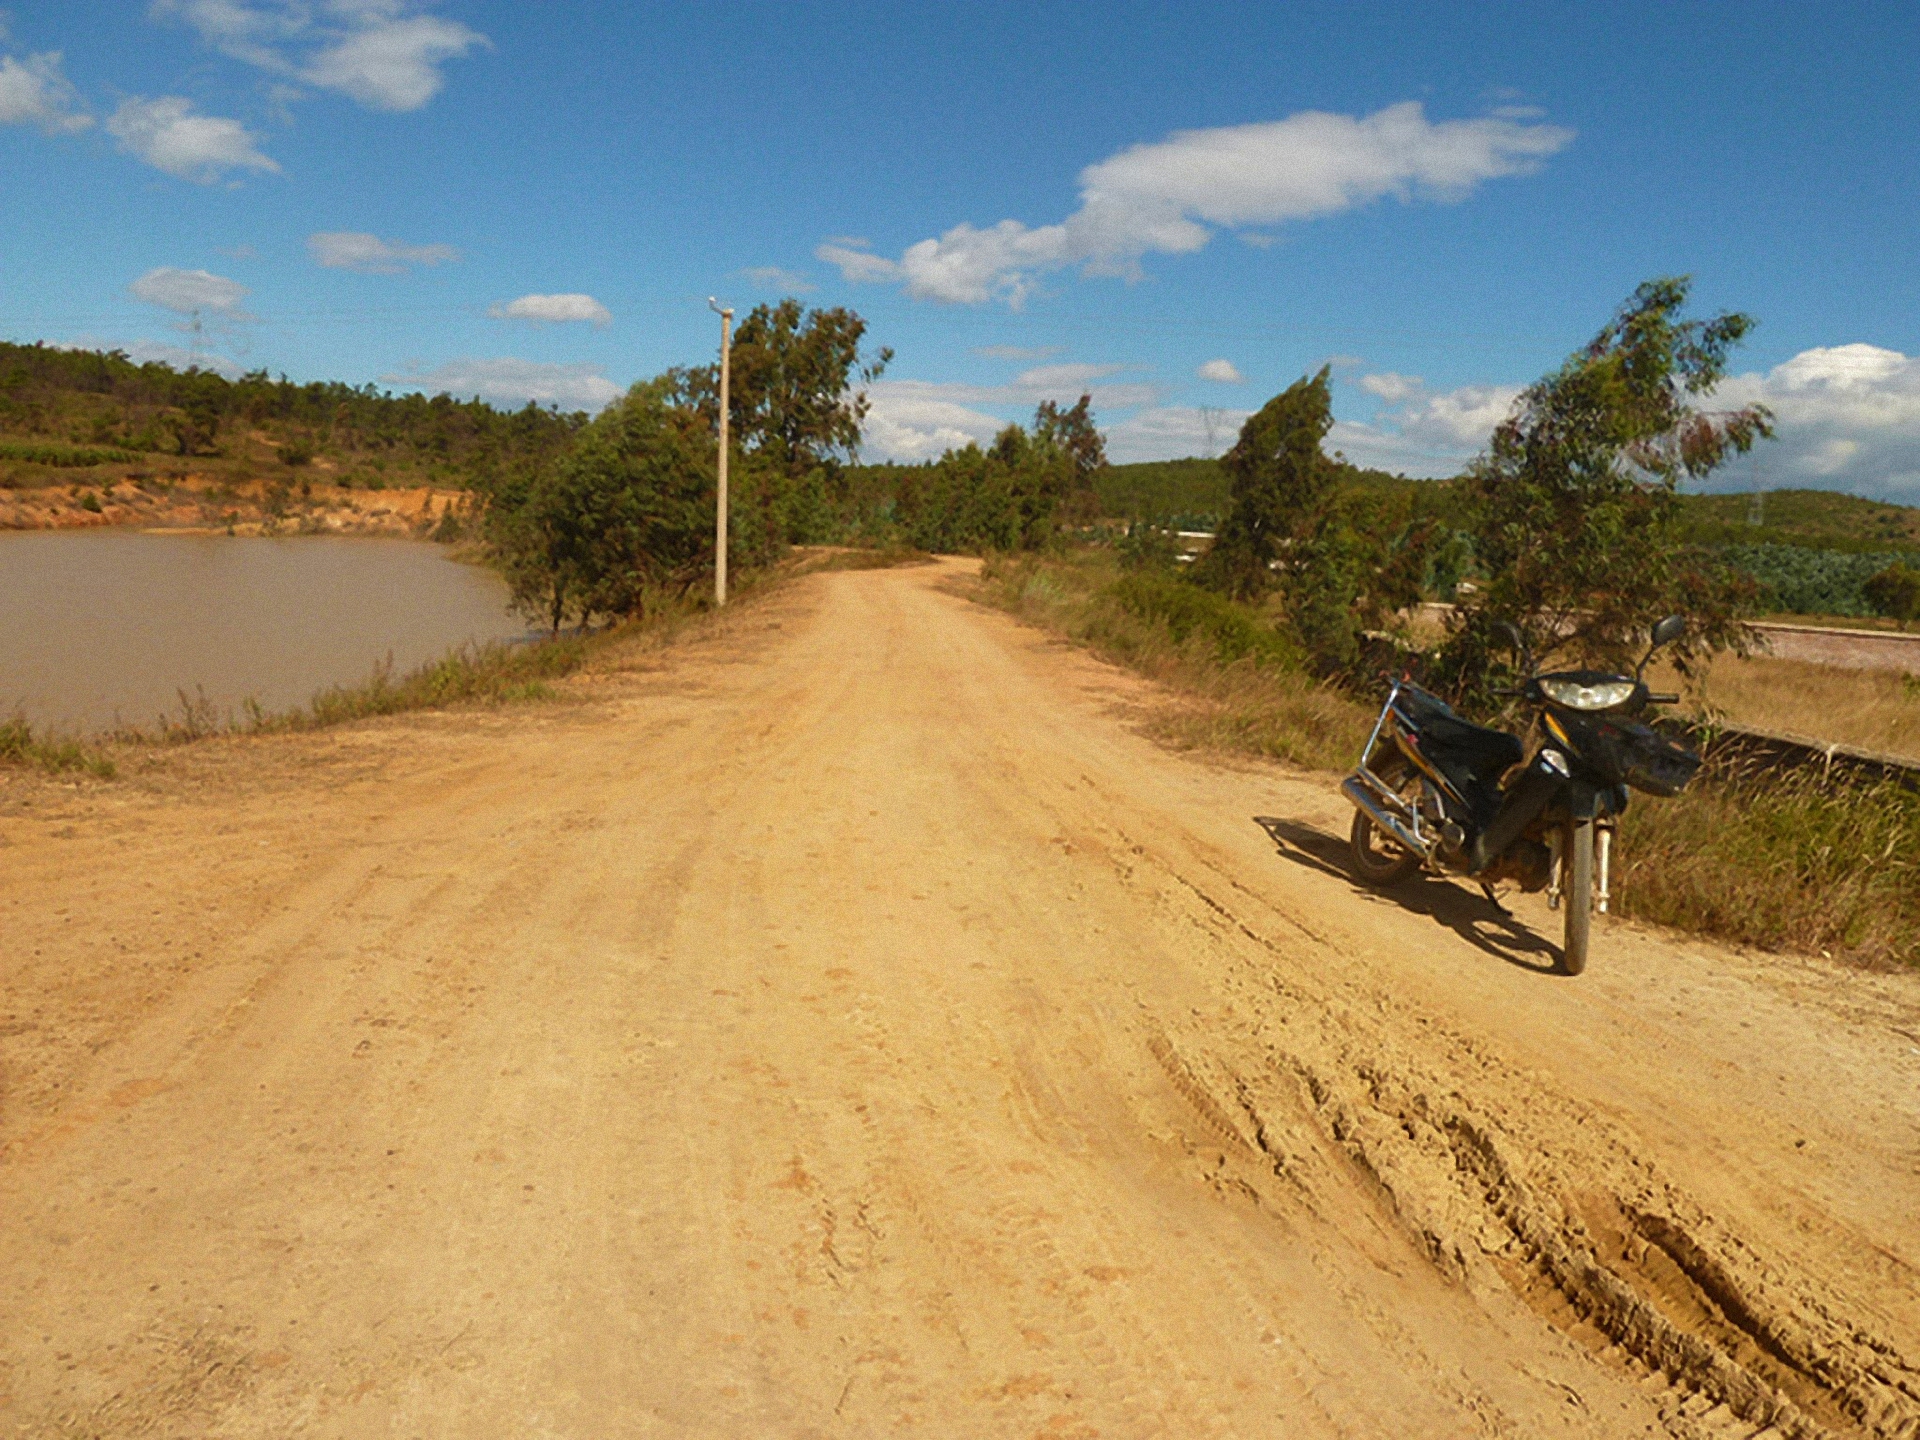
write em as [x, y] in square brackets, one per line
[1575, 505]
[1280, 488]
[1291, 525]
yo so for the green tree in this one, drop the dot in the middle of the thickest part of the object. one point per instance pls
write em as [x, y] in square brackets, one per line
[795, 409]
[1005, 497]
[1895, 592]
[1342, 555]
[1279, 487]
[1073, 433]
[1575, 508]
[627, 511]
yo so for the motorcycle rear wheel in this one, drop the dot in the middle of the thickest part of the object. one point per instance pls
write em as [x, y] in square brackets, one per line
[1577, 895]
[1378, 859]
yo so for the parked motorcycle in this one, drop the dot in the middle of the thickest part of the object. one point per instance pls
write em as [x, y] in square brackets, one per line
[1434, 790]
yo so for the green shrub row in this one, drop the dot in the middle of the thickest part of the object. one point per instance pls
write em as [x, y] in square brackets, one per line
[66, 457]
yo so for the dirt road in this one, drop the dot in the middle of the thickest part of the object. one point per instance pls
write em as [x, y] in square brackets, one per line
[847, 1025]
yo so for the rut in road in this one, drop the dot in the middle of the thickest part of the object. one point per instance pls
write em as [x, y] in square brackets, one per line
[846, 1025]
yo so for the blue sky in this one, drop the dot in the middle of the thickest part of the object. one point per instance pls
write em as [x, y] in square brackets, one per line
[1180, 208]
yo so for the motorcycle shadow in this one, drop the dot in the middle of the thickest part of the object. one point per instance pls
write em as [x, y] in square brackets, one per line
[1469, 915]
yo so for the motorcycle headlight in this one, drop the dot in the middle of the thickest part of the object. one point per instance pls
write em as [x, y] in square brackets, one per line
[1601, 696]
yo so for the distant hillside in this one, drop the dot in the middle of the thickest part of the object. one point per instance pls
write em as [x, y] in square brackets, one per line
[1180, 490]
[1195, 490]
[84, 417]
[1810, 519]
[1805, 519]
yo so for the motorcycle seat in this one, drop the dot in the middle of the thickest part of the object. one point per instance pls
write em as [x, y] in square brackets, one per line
[1454, 744]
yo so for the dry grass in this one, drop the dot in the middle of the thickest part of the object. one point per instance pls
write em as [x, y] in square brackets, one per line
[1783, 861]
[21, 746]
[1238, 687]
[1876, 710]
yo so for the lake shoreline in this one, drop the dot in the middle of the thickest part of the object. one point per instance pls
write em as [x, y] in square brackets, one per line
[125, 627]
[187, 503]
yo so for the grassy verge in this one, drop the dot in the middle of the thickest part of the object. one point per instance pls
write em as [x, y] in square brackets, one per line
[1239, 683]
[1782, 860]
[21, 747]
[485, 674]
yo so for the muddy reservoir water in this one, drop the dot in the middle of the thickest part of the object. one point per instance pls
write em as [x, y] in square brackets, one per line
[105, 627]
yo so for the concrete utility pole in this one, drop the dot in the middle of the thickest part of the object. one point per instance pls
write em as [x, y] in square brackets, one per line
[720, 511]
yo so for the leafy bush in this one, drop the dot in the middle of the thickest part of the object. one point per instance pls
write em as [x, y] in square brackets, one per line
[1006, 497]
[1575, 507]
[629, 511]
[1895, 591]
[1231, 632]
[68, 457]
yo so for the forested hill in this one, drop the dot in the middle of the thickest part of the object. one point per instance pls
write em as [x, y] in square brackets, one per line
[1807, 519]
[66, 411]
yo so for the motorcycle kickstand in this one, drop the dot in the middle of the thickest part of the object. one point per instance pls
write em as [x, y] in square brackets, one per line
[1494, 900]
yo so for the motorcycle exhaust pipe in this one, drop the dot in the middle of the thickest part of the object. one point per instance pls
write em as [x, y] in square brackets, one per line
[1364, 801]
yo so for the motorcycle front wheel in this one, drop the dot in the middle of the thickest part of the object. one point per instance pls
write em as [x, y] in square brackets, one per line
[1378, 859]
[1577, 894]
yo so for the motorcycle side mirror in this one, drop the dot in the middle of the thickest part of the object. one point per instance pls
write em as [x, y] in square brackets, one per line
[1511, 632]
[1664, 633]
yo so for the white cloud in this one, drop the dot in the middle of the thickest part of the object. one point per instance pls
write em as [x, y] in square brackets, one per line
[34, 92]
[1016, 352]
[1169, 196]
[1463, 418]
[393, 64]
[554, 310]
[906, 424]
[370, 255]
[772, 277]
[1223, 371]
[1846, 417]
[918, 419]
[188, 292]
[509, 382]
[1391, 387]
[1171, 432]
[374, 51]
[169, 136]
[1421, 431]
[1055, 380]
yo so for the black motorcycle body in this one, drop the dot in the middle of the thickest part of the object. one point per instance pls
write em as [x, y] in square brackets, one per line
[1435, 790]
